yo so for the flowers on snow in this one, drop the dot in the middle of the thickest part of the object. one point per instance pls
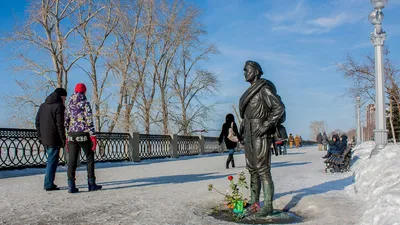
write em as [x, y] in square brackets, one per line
[236, 195]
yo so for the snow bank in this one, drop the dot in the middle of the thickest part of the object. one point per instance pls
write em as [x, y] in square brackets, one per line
[377, 181]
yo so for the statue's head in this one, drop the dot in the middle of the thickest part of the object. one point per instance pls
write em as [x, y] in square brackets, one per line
[252, 71]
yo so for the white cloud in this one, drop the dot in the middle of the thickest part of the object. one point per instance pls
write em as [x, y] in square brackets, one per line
[297, 12]
[330, 22]
[301, 29]
[298, 20]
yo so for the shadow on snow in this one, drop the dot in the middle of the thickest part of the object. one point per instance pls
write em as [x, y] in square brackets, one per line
[335, 185]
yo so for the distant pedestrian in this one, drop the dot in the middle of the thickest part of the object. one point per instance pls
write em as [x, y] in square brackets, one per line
[325, 141]
[81, 135]
[319, 141]
[297, 141]
[229, 134]
[51, 133]
[301, 141]
[291, 140]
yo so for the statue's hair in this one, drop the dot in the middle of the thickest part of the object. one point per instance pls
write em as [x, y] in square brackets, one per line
[256, 66]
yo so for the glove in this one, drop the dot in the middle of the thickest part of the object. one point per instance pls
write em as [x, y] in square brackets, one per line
[94, 142]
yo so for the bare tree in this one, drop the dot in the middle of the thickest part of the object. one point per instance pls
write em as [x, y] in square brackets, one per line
[44, 48]
[142, 59]
[317, 127]
[189, 86]
[351, 134]
[338, 132]
[121, 60]
[178, 25]
[95, 33]
[362, 77]
[236, 110]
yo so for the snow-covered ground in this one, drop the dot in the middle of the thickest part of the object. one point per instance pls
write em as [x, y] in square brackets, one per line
[175, 191]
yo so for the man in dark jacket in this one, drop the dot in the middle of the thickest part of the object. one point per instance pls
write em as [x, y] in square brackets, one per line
[51, 132]
[261, 110]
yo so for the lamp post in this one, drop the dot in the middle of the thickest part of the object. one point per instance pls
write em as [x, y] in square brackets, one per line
[358, 121]
[378, 37]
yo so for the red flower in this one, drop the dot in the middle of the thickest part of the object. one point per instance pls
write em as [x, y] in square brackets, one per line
[230, 178]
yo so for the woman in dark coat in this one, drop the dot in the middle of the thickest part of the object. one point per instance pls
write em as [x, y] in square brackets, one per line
[230, 145]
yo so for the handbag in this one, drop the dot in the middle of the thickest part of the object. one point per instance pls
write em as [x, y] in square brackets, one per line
[231, 135]
[281, 132]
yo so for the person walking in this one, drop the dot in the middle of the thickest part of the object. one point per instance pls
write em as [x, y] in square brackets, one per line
[319, 141]
[51, 133]
[325, 141]
[297, 141]
[291, 140]
[81, 135]
[229, 134]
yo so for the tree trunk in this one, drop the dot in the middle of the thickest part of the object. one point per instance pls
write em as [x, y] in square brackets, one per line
[147, 118]
[127, 118]
[96, 101]
[164, 106]
[391, 121]
[117, 113]
[184, 120]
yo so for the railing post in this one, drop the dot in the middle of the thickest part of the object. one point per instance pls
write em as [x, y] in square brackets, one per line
[201, 145]
[174, 146]
[134, 140]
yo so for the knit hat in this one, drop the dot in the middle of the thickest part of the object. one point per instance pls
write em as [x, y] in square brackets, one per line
[61, 91]
[80, 88]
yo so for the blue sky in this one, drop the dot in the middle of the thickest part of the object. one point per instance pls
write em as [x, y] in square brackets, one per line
[298, 44]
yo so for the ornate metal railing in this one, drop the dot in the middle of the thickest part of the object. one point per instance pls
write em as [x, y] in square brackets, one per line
[154, 146]
[110, 147]
[20, 148]
[211, 145]
[188, 145]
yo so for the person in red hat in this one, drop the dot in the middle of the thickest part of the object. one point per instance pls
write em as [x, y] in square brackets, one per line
[81, 135]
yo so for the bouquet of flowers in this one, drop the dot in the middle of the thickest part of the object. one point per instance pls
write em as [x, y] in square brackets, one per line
[234, 198]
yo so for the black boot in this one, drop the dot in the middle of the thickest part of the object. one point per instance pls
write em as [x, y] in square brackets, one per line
[92, 186]
[72, 187]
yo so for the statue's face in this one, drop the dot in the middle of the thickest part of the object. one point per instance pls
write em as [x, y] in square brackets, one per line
[250, 73]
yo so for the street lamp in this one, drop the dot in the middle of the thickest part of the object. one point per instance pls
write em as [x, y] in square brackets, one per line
[358, 121]
[378, 37]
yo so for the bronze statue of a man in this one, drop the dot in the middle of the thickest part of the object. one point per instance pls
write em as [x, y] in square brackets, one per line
[261, 109]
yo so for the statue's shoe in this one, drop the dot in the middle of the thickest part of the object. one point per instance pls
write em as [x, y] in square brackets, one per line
[265, 211]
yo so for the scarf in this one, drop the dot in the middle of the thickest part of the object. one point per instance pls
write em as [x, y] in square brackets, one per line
[249, 94]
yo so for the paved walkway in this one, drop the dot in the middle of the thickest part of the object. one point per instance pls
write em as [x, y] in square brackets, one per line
[173, 192]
